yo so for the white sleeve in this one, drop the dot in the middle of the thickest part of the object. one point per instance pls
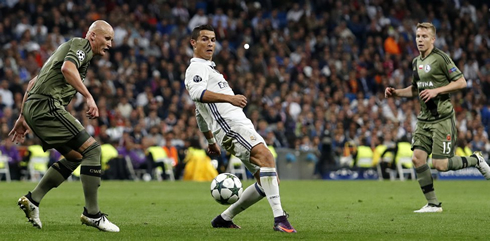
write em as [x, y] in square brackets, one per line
[196, 81]
[201, 123]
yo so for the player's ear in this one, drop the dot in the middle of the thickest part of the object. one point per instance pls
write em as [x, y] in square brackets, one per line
[193, 43]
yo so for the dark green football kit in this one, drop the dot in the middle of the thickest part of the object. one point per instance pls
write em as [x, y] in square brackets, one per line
[436, 132]
[436, 129]
[44, 109]
[45, 113]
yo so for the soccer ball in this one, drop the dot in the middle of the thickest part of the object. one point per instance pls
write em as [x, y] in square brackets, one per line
[226, 188]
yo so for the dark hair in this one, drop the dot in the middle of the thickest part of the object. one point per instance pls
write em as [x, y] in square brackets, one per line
[197, 30]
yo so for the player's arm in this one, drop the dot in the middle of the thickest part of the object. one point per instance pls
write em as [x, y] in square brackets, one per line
[20, 129]
[453, 86]
[213, 147]
[428, 94]
[457, 80]
[72, 77]
[213, 97]
[409, 91]
[196, 82]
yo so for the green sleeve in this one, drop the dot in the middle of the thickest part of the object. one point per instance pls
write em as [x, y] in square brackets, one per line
[78, 51]
[450, 70]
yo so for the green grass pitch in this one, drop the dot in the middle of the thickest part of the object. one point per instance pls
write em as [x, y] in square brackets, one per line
[319, 210]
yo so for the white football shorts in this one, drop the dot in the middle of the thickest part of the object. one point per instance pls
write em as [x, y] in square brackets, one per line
[239, 141]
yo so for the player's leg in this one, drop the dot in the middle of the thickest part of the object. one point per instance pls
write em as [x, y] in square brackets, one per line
[261, 156]
[422, 146]
[90, 169]
[444, 148]
[426, 182]
[66, 134]
[44, 122]
[57, 173]
[251, 195]
[90, 175]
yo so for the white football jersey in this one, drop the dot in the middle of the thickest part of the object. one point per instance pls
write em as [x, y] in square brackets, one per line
[201, 76]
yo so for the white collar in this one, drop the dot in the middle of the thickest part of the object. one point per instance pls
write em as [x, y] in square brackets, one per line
[200, 60]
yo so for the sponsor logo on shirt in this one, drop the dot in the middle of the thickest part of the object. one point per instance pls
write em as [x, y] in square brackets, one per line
[453, 69]
[197, 78]
[422, 85]
[448, 137]
[223, 85]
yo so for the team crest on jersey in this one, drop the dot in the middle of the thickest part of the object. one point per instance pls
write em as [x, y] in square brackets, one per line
[80, 55]
[253, 138]
[427, 68]
[197, 78]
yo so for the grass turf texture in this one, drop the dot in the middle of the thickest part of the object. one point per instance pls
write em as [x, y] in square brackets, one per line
[319, 210]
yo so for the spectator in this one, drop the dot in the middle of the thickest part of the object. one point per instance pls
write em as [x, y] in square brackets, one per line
[8, 149]
[198, 19]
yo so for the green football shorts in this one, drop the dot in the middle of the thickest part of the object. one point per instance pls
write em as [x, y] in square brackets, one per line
[438, 138]
[49, 120]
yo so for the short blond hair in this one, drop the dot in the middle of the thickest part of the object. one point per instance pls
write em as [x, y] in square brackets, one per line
[427, 25]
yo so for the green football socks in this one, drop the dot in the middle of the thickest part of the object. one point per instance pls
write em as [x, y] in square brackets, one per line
[460, 162]
[424, 177]
[55, 175]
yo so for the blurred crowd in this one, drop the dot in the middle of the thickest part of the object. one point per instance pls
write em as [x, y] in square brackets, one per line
[314, 72]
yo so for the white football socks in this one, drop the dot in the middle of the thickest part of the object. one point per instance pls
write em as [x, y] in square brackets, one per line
[250, 196]
[268, 181]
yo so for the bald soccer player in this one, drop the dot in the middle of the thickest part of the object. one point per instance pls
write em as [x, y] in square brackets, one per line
[43, 112]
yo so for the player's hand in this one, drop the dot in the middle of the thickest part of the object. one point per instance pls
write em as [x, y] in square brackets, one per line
[390, 92]
[20, 130]
[428, 94]
[213, 149]
[239, 100]
[93, 111]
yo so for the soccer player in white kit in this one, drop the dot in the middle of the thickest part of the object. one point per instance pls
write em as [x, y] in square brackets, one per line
[221, 119]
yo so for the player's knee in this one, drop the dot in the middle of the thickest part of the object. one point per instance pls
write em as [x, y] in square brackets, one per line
[440, 165]
[70, 163]
[417, 161]
[266, 159]
[73, 156]
[262, 156]
[269, 160]
[91, 155]
[62, 167]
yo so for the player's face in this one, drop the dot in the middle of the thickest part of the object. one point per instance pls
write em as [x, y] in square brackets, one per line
[425, 39]
[204, 45]
[103, 41]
